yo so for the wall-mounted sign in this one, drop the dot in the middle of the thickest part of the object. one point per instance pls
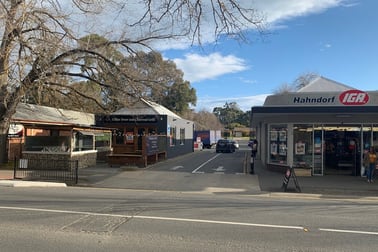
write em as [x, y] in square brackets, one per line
[354, 97]
[15, 130]
[107, 119]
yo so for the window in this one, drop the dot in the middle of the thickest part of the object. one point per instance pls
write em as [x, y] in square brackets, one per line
[103, 140]
[173, 136]
[84, 141]
[119, 136]
[302, 146]
[182, 136]
[278, 144]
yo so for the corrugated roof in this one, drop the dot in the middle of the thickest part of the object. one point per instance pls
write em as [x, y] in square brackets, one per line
[144, 107]
[322, 84]
[36, 113]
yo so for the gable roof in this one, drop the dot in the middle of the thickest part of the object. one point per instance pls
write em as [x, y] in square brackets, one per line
[322, 84]
[41, 114]
[144, 107]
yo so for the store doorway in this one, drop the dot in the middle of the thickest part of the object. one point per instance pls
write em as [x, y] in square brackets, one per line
[342, 154]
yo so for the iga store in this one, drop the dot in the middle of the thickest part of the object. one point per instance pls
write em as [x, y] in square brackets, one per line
[323, 128]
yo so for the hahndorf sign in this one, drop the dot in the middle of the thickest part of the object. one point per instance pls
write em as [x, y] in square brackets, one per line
[312, 100]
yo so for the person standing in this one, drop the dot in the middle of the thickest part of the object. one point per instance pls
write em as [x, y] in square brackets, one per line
[370, 162]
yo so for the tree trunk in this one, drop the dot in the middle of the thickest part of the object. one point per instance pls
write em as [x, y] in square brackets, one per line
[3, 141]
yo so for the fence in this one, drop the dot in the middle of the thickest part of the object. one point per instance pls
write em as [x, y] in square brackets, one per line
[47, 170]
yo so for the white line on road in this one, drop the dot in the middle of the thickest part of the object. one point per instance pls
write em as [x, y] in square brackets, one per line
[199, 167]
[183, 220]
[347, 231]
[175, 168]
[152, 217]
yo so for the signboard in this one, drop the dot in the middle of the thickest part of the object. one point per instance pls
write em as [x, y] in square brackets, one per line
[115, 119]
[351, 97]
[15, 130]
[152, 145]
[354, 97]
[290, 173]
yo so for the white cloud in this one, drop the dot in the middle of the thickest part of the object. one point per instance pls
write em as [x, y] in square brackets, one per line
[198, 67]
[116, 18]
[274, 12]
[244, 103]
[278, 10]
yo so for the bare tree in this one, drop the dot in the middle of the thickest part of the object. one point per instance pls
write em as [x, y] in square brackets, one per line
[300, 82]
[40, 46]
[284, 88]
[305, 79]
[204, 120]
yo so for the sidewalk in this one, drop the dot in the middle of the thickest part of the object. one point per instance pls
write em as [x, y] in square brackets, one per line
[267, 181]
[332, 185]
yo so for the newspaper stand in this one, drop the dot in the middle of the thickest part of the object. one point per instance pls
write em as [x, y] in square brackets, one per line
[290, 173]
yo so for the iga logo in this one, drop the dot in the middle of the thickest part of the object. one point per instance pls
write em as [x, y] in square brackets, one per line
[354, 97]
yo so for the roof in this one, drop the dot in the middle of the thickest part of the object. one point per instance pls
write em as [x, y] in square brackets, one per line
[144, 107]
[322, 84]
[41, 114]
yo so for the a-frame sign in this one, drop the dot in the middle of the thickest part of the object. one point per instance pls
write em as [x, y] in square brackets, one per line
[290, 173]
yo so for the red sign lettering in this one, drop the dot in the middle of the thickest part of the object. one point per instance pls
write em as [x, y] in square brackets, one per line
[354, 97]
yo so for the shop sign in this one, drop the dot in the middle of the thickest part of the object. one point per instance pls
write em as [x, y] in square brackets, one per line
[314, 100]
[15, 130]
[354, 97]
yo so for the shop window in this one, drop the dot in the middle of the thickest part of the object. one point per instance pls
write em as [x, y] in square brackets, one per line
[375, 137]
[102, 140]
[84, 141]
[47, 143]
[302, 135]
[278, 144]
[119, 136]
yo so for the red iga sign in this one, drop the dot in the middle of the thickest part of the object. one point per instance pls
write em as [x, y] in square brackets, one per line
[354, 97]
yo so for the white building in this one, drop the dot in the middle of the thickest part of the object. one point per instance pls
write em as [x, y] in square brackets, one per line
[325, 128]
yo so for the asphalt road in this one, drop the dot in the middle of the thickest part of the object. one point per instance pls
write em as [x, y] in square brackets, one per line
[98, 219]
[199, 202]
[195, 172]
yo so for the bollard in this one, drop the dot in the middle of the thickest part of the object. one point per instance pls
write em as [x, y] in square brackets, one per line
[252, 164]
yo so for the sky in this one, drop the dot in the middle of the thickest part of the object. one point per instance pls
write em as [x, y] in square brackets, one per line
[337, 39]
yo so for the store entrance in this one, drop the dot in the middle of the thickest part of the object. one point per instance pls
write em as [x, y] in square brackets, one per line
[342, 155]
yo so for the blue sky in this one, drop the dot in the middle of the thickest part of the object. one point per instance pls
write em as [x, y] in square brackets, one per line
[333, 38]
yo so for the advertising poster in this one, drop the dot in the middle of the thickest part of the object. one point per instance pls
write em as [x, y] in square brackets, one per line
[300, 148]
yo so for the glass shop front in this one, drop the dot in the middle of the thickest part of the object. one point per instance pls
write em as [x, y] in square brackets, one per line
[336, 149]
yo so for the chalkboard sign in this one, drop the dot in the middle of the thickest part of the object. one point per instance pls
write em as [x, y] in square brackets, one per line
[290, 173]
[152, 145]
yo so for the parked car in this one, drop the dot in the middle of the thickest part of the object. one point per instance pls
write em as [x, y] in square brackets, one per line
[224, 145]
[235, 143]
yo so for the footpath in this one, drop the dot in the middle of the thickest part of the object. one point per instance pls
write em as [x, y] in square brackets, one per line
[268, 182]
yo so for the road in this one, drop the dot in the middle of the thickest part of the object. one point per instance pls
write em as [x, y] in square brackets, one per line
[200, 171]
[199, 202]
[97, 219]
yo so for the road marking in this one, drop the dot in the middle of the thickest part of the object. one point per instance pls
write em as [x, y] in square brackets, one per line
[184, 220]
[153, 218]
[199, 167]
[219, 169]
[175, 168]
[347, 231]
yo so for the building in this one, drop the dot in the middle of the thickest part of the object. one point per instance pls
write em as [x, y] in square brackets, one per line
[323, 128]
[46, 133]
[146, 132]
